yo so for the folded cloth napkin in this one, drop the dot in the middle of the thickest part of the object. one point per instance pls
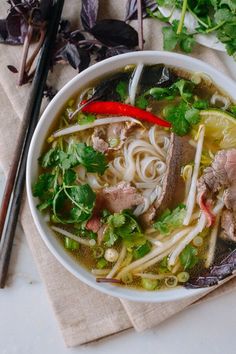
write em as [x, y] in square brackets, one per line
[83, 313]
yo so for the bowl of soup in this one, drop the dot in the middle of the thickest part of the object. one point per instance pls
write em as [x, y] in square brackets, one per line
[131, 176]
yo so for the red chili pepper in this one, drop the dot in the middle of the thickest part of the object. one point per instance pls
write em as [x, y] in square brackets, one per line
[206, 208]
[122, 109]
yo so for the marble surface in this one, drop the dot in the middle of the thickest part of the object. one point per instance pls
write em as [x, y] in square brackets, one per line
[27, 324]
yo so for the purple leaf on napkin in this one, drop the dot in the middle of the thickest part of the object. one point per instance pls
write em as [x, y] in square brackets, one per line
[89, 13]
[131, 8]
[115, 33]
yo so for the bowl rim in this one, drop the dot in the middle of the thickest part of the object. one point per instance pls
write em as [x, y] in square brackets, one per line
[58, 101]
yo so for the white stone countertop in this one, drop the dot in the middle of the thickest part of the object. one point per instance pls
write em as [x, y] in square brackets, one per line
[27, 324]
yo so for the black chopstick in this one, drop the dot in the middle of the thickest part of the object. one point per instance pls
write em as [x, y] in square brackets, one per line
[16, 178]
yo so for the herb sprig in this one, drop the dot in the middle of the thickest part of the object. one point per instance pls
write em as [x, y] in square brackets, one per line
[57, 188]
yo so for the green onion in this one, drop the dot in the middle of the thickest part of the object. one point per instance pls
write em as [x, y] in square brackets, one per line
[71, 244]
[142, 250]
[102, 263]
[171, 281]
[127, 278]
[98, 252]
[149, 284]
[114, 142]
[183, 277]
[198, 241]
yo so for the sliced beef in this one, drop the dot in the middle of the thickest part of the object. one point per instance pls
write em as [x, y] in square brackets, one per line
[103, 137]
[98, 140]
[228, 224]
[222, 172]
[222, 175]
[94, 224]
[230, 197]
[179, 154]
[119, 197]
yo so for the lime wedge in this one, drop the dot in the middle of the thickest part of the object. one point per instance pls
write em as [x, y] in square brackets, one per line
[220, 127]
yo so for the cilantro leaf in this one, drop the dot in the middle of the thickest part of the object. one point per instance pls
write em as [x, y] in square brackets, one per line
[171, 39]
[188, 257]
[43, 184]
[141, 102]
[85, 118]
[122, 90]
[92, 160]
[182, 117]
[69, 177]
[170, 220]
[123, 226]
[83, 199]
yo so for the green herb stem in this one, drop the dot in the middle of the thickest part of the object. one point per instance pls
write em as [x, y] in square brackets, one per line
[181, 22]
[197, 18]
[212, 29]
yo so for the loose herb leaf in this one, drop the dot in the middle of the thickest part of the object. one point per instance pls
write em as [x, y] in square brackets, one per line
[123, 226]
[122, 90]
[188, 257]
[43, 184]
[170, 220]
[171, 39]
[182, 117]
[92, 160]
[141, 102]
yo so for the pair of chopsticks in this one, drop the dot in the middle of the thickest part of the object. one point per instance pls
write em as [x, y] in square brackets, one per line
[16, 178]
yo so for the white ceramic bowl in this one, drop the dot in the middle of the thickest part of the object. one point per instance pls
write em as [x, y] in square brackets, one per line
[81, 80]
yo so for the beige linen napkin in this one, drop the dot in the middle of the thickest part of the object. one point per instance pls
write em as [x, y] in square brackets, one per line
[83, 313]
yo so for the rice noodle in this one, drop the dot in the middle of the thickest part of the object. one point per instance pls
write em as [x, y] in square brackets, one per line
[195, 231]
[153, 261]
[155, 252]
[187, 174]
[74, 237]
[100, 271]
[212, 242]
[153, 276]
[192, 192]
[222, 99]
[118, 263]
[102, 121]
[134, 83]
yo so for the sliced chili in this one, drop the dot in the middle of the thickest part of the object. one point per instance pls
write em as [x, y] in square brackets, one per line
[206, 208]
[121, 109]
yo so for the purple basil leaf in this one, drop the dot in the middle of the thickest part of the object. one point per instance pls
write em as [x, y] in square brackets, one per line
[13, 22]
[89, 13]
[84, 59]
[201, 282]
[65, 27]
[70, 54]
[78, 58]
[231, 258]
[215, 273]
[76, 36]
[131, 8]
[13, 69]
[115, 33]
[3, 30]
[111, 52]
[5, 36]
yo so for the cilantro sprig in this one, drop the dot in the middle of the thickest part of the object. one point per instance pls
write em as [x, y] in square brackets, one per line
[57, 189]
[212, 16]
[123, 226]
